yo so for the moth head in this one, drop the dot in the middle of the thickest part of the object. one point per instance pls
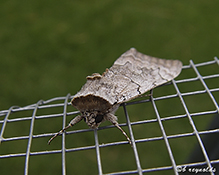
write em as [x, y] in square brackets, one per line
[93, 119]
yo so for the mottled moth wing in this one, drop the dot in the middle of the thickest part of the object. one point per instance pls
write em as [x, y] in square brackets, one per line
[131, 75]
[144, 73]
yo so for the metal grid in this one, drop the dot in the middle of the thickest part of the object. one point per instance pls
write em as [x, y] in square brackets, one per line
[176, 168]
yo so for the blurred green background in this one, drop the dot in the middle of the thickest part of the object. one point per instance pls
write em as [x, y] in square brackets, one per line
[47, 48]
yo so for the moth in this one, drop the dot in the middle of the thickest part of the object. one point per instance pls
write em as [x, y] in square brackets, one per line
[131, 75]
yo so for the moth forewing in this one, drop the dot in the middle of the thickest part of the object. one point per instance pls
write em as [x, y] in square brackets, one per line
[131, 75]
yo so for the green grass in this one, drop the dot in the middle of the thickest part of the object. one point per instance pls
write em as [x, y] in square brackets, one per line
[47, 48]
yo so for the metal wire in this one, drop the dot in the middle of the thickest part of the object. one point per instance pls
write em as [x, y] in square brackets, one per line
[165, 137]
[139, 169]
[4, 116]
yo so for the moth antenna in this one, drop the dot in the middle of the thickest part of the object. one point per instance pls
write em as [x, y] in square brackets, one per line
[124, 133]
[113, 119]
[72, 123]
[59, 133]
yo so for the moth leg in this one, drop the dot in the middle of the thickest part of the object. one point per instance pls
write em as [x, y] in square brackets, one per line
[145, 95]
[113, 119]
[72, 122]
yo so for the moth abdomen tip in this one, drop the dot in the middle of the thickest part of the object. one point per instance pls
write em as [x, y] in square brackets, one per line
[105, 71]
[94, 76]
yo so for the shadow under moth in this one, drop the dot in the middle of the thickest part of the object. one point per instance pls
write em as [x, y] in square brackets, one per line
[131, 75]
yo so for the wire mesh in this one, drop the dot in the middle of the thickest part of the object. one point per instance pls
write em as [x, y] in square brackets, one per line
[207, 164]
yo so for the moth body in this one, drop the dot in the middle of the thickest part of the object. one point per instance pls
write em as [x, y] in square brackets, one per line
[131, 75]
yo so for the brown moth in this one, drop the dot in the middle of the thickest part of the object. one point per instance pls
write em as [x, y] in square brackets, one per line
[131, 75]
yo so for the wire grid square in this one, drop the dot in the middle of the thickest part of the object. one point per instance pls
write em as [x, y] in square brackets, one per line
[155, 132]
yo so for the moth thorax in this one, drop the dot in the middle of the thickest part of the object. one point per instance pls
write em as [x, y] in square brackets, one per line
[93, 119]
